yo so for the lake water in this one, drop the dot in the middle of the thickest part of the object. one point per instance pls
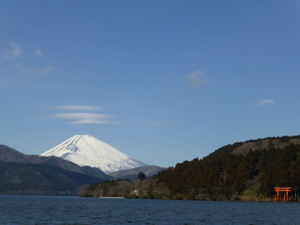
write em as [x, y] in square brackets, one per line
[74, 210]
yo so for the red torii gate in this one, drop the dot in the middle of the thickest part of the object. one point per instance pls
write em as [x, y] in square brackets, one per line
[285, 196]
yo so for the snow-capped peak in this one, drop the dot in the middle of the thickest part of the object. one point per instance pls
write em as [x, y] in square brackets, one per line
[86, 150]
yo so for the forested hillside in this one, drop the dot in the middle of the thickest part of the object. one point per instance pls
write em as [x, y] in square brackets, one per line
[244, 170]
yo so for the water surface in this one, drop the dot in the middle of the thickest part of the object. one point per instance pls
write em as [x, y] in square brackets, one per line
[75, 210]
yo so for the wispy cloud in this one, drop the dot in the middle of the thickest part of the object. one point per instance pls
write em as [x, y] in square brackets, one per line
[46, 71]
[14, 51]
[265, 102]
[39, 53]
[196, 79]
[85, 118]
[77, 107]
[49, 70]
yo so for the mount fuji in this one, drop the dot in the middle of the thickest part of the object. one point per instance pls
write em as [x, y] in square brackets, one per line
[85, 150]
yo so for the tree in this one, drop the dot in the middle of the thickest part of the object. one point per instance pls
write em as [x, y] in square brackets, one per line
[141, 176]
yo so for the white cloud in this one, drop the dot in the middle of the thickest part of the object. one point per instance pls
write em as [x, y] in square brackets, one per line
[47, 70]
[196, 79]
[36, 71]
[85, 118]
[265, 102]
[26, 70]
[39, 53]
[14, 51]
[78, 107]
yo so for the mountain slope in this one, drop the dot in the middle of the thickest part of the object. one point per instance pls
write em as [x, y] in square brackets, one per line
[8, 154]
[86, 150]
[32, 174]
[25, 178]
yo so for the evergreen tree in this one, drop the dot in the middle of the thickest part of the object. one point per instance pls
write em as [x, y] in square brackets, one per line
[141, 176]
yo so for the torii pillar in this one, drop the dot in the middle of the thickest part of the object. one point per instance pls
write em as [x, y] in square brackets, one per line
[285, 192]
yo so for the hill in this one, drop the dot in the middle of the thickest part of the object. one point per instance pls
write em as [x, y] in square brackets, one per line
[245, 171]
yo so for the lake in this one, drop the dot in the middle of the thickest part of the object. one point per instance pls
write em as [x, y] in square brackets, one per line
[18, 209]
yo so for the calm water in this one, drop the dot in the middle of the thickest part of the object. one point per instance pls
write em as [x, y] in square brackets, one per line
[75, 210]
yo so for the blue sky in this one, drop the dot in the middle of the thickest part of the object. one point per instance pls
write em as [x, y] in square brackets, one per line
[163, 81]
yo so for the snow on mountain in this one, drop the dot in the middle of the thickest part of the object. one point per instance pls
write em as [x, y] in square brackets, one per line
[86, 150]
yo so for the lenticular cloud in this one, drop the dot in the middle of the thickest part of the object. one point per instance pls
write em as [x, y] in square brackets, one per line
[82, 117]
[265, 102]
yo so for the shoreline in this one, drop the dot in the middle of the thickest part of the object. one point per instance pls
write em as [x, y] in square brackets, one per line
[113, 197]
